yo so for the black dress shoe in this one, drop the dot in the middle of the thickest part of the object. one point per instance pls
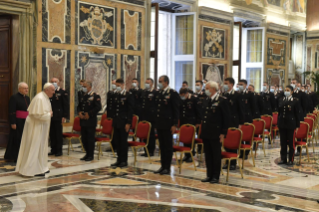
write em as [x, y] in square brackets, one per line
[290, 163]
[225, 166]
[214, 181]
[47, 172]
[84, 157]
[282, 162]
[51, 153]
[159, 171]
[189, 160]
[185, 158]
[89, 159]
[297, 154]
[39, 175]
[115, 164]
[165, 172]
[58, 154]
[144, 155]
[206, 180]
[232, 167]
[122, 165]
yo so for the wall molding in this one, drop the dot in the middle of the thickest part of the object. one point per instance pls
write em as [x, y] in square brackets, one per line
[213, 15]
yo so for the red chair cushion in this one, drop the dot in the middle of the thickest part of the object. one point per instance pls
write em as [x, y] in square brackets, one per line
[176, 131]
[275, 128]
[131, 133]
[135, 143]
[258, 139]
[245, 146]
[309, 136]
[69, 135]
[102, 139]
[266, 133]
[199, 140]
[181, 148]
[301, 143]
[229, 155]
[156, 136]
[98, 130]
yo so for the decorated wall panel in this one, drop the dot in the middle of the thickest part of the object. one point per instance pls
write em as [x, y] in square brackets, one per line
[56, 21]
[312, 55]
[276, 52]
[213, 48]
[88, 40]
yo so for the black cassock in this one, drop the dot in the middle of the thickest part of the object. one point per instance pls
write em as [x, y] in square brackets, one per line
[17, 102]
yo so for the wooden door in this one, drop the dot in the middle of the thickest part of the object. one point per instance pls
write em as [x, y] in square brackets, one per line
[5, 77]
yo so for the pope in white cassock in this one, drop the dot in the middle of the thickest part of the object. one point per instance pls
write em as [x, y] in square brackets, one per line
[33, 154]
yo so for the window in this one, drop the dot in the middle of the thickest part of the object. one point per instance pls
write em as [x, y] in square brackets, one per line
[253, 56]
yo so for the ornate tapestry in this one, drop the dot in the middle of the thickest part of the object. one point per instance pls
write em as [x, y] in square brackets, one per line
[96, 25]
[299, 51]
[213, 43]
[213, 72]
[130, 69]
[276, 77]
[309, 59]
[131, 26]
[276, 54]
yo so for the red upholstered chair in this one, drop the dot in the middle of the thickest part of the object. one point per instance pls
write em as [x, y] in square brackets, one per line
[133, 126]
[311, 124]
[99, 130]
[248, 131]
[300, 135]
[76, 128]
[268, 120]
[259, 134]
[199, 141]
[275, 128]
[107, 129]
[186, 136]
[143, 133]
[232, 141]
[314, 117]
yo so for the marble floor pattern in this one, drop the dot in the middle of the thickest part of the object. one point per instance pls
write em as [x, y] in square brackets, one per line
[74, 185]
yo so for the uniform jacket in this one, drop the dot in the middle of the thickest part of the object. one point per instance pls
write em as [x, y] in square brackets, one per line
[190, 110]
[269, 103]
[110, 104]
[215, 118]
[148, 105]
[236, 108]
[17, 102]
[201, 98]
[288, 115]
[60, 104]
[248, 100]
[310, 106]
[314, 99]
[90, 103]
[167, 109]
[136, 94]
[278, 95]
[302, 103]
[123, 109]
[258, 106]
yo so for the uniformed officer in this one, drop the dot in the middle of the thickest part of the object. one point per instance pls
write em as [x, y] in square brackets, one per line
[136, 91]
[309, 100]
[313, 96]
[110, 101]
[268, 100]
[214, 130]
[288, 121]
[278, 95]
[88, 108]
[149, 112]
[122, 120]
[236, 111]
[302, 101]
[200, 93]
[80, 92]
[60, 108]
[185, 85]
[248, 100]
[189, 114]
[258, 102]
[166, 121]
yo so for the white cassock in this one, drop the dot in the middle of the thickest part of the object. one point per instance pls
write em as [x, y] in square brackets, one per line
[33, 154]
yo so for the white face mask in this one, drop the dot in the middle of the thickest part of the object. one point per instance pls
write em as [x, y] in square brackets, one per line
[118, 89]
[264, 88]
[113, 86]
[208, 93]
[147, 86]
[55, 85]
[160, 85]
[287, 93]
[84, 89]
[197, 88]
[134, 85]
[293, 86]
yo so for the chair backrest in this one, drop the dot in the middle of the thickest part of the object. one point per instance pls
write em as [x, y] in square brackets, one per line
[274, 118]
[103, 118]
[233, 138]
[303, 131]
[134, 122]
[268, 121]
[259, 126]
[248, 131]
[187, 133]
[311, 122]
[311, 116]
[199, 131]
[107, 126]
[76, 124]
[143, 130]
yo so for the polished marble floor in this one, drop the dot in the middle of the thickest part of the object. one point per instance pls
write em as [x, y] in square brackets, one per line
[73, 185]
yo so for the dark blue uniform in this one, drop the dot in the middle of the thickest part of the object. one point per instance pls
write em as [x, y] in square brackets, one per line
[60, 108]
[269, 103]
[215, 122]
[136, 92]
[248, 100]
[288, 121]
[148, 114]
[89, 103]
[110, 104]
[167, 115]
[123, 113]
[302, 104]
[278, 96]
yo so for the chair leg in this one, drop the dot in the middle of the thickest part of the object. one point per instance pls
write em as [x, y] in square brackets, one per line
[241, 171]
[148, 154]
[244, 154]
[112, 149]
[69, 146]
[201, 154]
[307, 154]
[81, 144]
[221, 168]
[270, 138]
[263, 143]
[252, 156]
[313, 144]
[256, 146]
[99, 150]
[228, 169]
[193, 160]
[181, 163]
[133, 150]
[300, 155]
[176, 158]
